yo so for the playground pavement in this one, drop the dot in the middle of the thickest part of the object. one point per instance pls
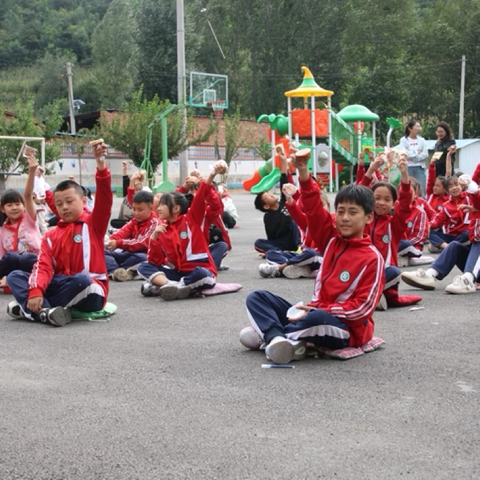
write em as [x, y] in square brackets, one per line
[164, 390]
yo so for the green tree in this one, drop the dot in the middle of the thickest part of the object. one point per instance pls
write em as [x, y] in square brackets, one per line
[113, 49]
[127, 130]
[25, 123]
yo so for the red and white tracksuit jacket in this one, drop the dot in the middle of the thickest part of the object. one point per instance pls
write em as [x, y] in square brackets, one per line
[386, 231]
[134, 236]
[84, 239]
[453, 220]
[418, 222]
[352, 276]
[433, 200]
[183, 245]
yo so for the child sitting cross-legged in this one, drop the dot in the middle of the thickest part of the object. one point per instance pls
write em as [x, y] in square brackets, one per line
[348, 285]
[19, 236]
[70, 270]
[127, 247]
[179, 260]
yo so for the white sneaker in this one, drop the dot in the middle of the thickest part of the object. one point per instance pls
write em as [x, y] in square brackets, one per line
[382, 304]
[423, 260]
[297, 271]
[250, 339]
[283, 350]
[402, 261]
[460, 285]
[174, 291]
[269, 270]
[15, 311]
[419, 279]
[433, 248]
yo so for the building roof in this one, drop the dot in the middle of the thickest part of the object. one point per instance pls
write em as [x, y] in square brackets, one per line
[460, 143]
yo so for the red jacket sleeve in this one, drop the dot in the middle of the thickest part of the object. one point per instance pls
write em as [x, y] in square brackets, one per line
[102, 210]
[430, 179]
[298, 216]
[360, 173]
[50, 201]
[439, 220]
[429, 210]
[127, 240]
[320, 222]
[130, 195]
[155, 253]
[402, 210]
[476, 174]
[366, 181]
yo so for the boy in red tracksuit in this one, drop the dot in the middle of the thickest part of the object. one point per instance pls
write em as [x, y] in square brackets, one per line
[348, 286]
[71, 270]
[127, 247]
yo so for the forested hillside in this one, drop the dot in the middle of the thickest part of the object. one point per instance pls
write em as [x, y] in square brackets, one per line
[399, 58]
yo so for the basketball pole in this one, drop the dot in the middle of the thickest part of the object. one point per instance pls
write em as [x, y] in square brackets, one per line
[181, 71]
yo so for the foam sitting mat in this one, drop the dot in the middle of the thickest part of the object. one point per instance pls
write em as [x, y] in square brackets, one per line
[106, 312]
[220, 288]
[351, 352]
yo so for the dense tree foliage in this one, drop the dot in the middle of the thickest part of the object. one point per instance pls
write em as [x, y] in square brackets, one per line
[399, 58]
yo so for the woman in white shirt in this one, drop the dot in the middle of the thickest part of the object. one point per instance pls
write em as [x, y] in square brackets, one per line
[417, 152]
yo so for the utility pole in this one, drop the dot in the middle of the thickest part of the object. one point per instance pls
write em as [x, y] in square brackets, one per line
[181, 71]
[73, 128]
[462, 99]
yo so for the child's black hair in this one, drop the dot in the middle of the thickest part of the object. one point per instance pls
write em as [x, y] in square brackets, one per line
[449, 181]
[66, 184]
[393, 190]
[357, 194]
[12, 196]
[416, 187]
[443, 181]
[259, 205]
[143, 196]
[171, 199]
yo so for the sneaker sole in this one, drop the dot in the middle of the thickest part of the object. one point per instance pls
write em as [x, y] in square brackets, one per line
[12, 314]
[382, 304]
[295, 271]
[59, 317]
[281, 352]
[413, 283]
[169, 292]
[457, 292]
[183, 292]
[122, 275]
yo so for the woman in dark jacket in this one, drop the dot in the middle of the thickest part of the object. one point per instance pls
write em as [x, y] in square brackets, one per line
[445, 140]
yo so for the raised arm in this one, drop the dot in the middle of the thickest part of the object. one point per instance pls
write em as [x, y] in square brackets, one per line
[28, 191]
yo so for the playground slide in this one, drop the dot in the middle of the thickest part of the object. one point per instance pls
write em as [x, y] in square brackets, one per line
[267, 182]
[264, 170]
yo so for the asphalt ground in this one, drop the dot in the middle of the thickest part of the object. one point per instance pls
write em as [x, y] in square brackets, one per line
[164, 390]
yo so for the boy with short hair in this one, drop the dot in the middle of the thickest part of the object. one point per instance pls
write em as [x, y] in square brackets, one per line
[70, 271]
[282, 232]
[128, 247]
[348, 286]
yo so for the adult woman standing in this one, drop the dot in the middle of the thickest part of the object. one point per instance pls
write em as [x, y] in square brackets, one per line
[417, 152]
[445, 143]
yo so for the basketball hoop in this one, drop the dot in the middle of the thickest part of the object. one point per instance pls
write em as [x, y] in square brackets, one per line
[218, 106]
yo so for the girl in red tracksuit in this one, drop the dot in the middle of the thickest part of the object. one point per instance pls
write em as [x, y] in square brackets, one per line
[178, 259]
[411, 246]
[387, 229]
[451, 223]
[436, 189]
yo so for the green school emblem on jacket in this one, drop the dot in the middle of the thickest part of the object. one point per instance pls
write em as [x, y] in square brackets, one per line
[410, 224]
[77, 238]
[386, 239]
[183, 235]
[345, 276]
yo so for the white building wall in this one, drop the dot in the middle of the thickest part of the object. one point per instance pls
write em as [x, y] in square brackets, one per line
[469, 156]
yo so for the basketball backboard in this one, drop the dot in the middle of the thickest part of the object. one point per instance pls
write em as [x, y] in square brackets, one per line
[206, 88]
